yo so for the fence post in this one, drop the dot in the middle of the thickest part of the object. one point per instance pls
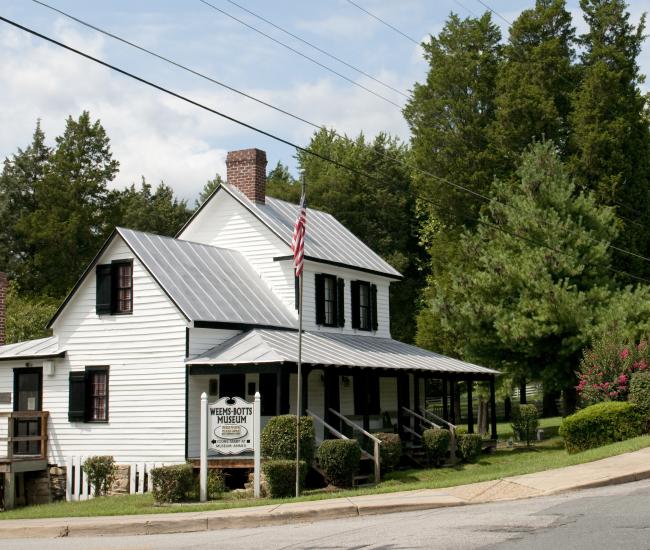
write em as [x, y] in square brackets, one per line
[68, 478]
[377, 463]
[203, 490]
[256, 444]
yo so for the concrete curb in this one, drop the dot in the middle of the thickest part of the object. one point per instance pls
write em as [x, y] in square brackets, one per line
[610, 471]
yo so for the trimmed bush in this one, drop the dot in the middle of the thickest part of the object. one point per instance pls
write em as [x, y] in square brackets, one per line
[525, 421]
[101, 472]
[279, 438]
[390, 450]
[339, 459]
[468, 447]
[172, 483]
[640, 393]
[601, 424]
[281, 477]
[436, 444]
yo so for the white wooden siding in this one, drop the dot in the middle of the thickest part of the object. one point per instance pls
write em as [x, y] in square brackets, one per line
[145, 352]
[204, 339]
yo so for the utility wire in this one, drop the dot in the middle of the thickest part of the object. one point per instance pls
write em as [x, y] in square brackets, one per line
[303, 55]
[317, 48]
[271, 135]
[364, 10]
[494, 12]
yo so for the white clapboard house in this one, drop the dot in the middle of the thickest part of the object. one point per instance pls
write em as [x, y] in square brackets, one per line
[155, 321]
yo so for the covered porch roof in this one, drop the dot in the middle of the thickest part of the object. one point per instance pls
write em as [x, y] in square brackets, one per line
[43, 348]
[267, 346]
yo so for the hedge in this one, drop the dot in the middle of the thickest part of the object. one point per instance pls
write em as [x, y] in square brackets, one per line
[436, 445]
[339, 459]
[390, 450]
[525, 420]
[640, 393]
[172, 483]
[281, 477]
[601, 424]
[278, 438]
[468, 446]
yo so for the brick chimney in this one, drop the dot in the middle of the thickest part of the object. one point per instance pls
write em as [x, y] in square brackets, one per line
[3, 296]
[246, 170]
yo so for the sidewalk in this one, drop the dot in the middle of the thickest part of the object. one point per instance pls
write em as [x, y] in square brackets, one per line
[609, 471]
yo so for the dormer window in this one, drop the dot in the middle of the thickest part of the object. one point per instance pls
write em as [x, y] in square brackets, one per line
[114, 293]
[364, 305]
[330, 300]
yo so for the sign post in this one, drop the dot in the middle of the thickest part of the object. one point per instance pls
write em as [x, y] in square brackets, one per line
[230, 426]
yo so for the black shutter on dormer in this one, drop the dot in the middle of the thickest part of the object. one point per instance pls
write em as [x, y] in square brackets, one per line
[77, 397]
[373, 305]
[340, 301]
[354, 303]
[320, 299]
[296, 289]
[103, 289]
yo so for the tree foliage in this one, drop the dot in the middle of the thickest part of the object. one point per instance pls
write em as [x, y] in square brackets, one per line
[27, 316]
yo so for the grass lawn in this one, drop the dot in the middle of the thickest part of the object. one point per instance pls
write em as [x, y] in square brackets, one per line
[504, 462]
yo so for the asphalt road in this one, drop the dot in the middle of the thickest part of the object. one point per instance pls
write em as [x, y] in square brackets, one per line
[615, 517]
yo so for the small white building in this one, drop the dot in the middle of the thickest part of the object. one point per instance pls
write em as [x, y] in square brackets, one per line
[155, 321]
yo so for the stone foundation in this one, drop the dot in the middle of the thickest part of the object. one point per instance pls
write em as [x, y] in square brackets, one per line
[57, 483]
[122, 482]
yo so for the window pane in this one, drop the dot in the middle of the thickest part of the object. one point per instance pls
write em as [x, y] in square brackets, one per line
[330, 301]
[98, 395]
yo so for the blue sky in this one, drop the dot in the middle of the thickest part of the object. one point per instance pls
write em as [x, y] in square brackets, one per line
[158, 137]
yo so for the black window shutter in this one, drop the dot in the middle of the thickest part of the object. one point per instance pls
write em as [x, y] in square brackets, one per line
[77, 397]
[320, 299]
[354, 303]
[103, 289]
[340, 299]
[373, 305]
[296, 288]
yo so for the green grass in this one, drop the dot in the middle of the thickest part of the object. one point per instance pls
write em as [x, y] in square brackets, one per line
[504, 462]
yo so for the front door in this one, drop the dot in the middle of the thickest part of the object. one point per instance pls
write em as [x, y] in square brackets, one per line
[232, 385]
[28, 397]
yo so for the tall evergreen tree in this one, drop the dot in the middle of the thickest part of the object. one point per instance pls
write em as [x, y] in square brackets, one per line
[208, 189]
[282, 185]
[535, 82]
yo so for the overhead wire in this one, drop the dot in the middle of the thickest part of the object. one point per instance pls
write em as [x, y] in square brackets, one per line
[386, 23]
[267, 133]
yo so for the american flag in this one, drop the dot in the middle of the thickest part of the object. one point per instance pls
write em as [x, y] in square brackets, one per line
[298, 239]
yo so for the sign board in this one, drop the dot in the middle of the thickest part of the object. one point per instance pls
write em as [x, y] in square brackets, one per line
[5, 398]
[232, 426]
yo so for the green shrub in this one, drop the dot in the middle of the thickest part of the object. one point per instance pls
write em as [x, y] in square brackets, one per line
[390, 450]
[640, 393]
[281, 477]
[339, 459]
[600, 424]
[460, 430]
[279, 438]
[172, 483]
[101, 473]
[436, 444]
[525, 420]
[468, 446]
[216, 484]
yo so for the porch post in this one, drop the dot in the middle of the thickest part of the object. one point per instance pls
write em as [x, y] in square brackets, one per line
[416, 400]
[402, 401]
[445, 405]
[278, 393]
[10, 490]
[366, 418]
[493, 407]
[470, 411]
[285, 406]
[452, 399]
[332, 398]
[305, 390]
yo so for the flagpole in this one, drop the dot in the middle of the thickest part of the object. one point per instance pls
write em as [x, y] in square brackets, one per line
[299, 378]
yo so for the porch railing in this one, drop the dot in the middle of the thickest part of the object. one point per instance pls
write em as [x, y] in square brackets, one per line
[34, 421]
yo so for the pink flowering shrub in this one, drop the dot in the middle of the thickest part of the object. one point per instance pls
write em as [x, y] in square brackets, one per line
[606, 369]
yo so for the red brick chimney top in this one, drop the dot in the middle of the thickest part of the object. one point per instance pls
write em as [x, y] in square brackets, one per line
[246, 170]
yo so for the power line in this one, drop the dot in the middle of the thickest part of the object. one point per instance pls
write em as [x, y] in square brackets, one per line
[364, 10]
[317, 48]
[268, 134]
[298, 52]
[494, 12]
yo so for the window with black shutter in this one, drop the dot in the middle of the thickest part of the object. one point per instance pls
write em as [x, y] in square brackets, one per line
[364, 305]
[330, 300]
[88, 395]
[77, 397]
[340, 302]
[114, 288]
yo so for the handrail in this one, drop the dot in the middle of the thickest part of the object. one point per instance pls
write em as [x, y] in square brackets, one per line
[420, 417]
[411, 431]
[438, 418]
[11, 438]
[333, 430]
[355, 426]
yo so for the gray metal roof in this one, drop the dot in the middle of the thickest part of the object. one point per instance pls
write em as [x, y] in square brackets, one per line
[325, 239]
[32, 349]
[208, 283]
[319, 348]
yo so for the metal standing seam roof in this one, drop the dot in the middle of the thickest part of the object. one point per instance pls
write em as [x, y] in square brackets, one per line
[326, 238]
[263, 346]
[32, 349]
[208, 283]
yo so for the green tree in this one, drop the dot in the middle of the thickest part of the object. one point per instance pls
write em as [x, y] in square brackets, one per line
[157, 212]
[282, 185]
[534, 83]
[208, 189]
[450, 115]
[611, 136]
[378, 209]
[68, 221]
[529, 308]
[27, 315]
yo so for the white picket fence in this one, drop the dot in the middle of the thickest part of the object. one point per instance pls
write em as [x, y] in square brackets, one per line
[78, 487]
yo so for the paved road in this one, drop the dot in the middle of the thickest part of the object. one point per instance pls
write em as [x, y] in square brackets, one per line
[609, 517]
